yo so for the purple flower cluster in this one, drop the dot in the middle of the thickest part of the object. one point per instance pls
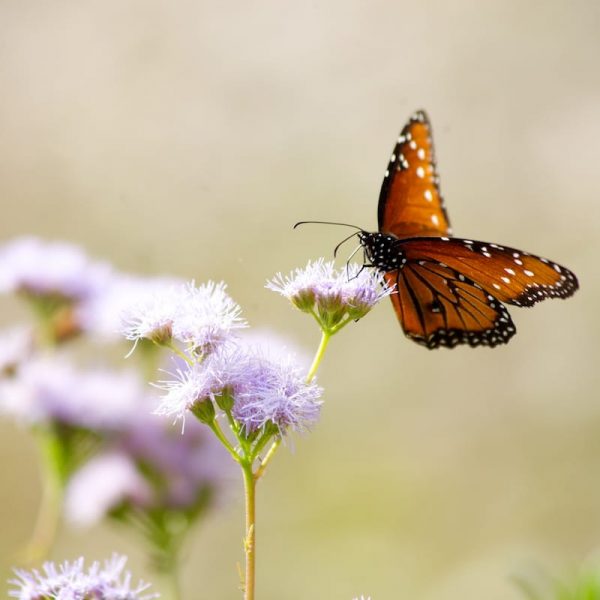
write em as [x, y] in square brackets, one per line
[102, 313]
[49, 389]
[50, 268]
[16, 346]
[142, 461]
[262, 390]
[201, 317]
[71, 581]
[332, 295]
[151, 466]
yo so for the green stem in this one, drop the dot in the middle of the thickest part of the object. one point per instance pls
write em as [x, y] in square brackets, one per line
[172, 584]
[325, 337]
[219, 433]
[250, 538]
[48, 517]
[268, 456]
[174, 348]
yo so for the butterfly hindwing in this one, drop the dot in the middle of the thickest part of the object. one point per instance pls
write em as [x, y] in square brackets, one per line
[410, 203]
[438, 306]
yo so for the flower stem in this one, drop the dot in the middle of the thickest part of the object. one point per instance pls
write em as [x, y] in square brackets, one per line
[250, 538]
[172, 582]
[325, 337]
[223, 439]
[46, 525]
[265, 461]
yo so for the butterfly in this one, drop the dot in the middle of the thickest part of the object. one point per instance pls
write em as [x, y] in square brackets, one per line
[448, 290]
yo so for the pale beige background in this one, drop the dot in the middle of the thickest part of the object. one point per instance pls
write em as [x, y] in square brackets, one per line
[187, 137]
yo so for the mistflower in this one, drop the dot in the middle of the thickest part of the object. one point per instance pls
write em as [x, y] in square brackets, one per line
[103, 313]
[332, 295]
[70, 581]
[150, 467]
[51, 390]
[55, 269]
[103, 484]
[151, 317]
[207, 317]
[263, 390]
[16, 346]
[202, 317]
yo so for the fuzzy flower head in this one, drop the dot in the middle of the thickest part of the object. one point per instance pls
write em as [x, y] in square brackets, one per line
[102, 314]
[201, 317]
[333, 296]
[16, 346]
[53, 269]
[259, 391]
[70, 581]
[51, 390]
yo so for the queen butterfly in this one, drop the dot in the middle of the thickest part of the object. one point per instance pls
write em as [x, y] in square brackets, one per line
[450, 290]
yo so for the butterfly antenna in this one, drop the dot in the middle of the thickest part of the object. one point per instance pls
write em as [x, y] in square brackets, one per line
[326, 223]
[343, 242]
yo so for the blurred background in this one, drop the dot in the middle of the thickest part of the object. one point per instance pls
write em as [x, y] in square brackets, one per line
[186, 138]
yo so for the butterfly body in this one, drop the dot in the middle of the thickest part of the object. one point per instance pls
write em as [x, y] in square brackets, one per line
[449, 290]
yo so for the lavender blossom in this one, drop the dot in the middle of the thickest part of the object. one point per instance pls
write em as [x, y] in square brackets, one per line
[102, 314]
[54, 269]
[202, 317]
[103, 484]
[50, 389]
[329, 294]
[264, 390]
[152, 466]
[207, 318]
[70, 581]
[16, 346]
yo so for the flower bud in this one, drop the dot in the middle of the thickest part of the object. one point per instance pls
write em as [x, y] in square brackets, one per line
[204, 410]
[225, 400]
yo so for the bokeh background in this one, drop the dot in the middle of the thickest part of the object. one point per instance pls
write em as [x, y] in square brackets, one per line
[186, 138]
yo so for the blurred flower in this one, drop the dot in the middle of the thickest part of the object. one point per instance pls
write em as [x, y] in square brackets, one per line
[264, 390]
[51, 390]
[102, 484]
[362, 598]
[202, 317]
[102, 313]
[16, 345]
[329, 294]
[152, 467]
[50, 268]
[70, 581]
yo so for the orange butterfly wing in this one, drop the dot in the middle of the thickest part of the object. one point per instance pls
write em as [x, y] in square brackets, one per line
[512, 276]
[437, 306]
[410, 203]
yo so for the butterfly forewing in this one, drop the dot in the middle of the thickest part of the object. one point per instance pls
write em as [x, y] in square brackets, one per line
[511, 275]
[410, 203]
